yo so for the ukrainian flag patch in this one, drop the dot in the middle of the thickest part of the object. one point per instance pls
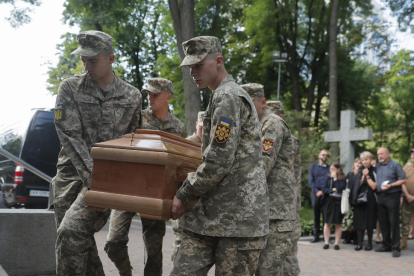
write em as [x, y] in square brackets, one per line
[268, 142]
[222, 132]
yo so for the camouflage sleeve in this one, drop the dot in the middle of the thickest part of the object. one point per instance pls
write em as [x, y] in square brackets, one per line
[69, 130]
[218, 157]
[275, 128]
[298, 162]
[136, 117]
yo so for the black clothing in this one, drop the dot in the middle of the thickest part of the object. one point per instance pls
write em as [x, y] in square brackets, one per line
[365, 216]
[332, 211]
[389, 215]
[317, 205]
[332, 207]
[317, 176]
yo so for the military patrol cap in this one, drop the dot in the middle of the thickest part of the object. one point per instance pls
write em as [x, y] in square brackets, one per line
[275, 106]
[92, 43]
[197, 48]
[201, 117]
[157, 85]
[255, 90]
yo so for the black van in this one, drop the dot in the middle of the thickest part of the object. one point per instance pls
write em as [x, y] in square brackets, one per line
[40, 148]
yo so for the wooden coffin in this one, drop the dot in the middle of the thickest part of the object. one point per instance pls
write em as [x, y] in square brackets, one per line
[141, 172]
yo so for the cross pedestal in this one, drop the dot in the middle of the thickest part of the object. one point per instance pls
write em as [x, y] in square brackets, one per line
[347, 136]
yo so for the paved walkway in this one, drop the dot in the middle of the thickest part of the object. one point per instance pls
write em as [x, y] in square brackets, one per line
[312, 258]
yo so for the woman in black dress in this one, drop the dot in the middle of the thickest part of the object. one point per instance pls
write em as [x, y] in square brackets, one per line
[348, 231]
[365, 214]
[332, 207]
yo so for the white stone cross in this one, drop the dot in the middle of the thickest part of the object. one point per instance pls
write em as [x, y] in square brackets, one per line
[347, 136]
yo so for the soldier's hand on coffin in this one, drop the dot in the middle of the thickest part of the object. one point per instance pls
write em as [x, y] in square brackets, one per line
[178, 208]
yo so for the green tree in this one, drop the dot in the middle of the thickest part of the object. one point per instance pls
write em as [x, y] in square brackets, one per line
[404, 11]
[20, 15]
[399, 83]
[12, 143]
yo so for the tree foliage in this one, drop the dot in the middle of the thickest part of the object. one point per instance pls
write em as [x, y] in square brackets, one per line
[20, 15]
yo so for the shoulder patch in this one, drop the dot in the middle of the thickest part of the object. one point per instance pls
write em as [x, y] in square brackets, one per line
[59, 112]
[268, 142]
[222, 132]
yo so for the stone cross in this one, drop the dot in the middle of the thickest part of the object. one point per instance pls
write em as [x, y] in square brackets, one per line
[347, 136]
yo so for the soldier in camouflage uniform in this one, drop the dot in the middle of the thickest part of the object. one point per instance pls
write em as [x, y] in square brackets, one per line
[291, 263]
[157, 117]
[407, 206]
[90, 108]
[277, 156]
[177, 225]
[229, 224]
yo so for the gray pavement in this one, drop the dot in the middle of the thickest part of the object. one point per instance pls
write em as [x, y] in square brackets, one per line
[313, 259]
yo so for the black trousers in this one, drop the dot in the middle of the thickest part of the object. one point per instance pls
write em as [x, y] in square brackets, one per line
[389, 219]
[317, 211]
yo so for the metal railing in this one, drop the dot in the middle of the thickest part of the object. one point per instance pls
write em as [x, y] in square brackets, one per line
[25, 165]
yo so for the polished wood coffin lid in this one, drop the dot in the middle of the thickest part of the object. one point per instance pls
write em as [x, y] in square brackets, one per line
[141, 172]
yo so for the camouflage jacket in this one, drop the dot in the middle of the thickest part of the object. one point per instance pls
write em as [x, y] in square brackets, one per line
[83, 117]
[297, 168]
[234, 201]
[194, 138]
[172, 125]
[278, 163]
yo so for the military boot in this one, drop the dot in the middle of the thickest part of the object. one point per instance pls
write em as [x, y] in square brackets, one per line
[403, 244]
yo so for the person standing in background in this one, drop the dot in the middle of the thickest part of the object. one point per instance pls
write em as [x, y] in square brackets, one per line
[318, 174]
[390, 177]
[407, 206]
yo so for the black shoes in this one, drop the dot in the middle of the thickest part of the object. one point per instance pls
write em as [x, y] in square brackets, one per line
[326, 246]
[368, 247]
[382, 249]
[336, 247]
[396, 253]
[358, 248]
[315, 239]
[378, 242]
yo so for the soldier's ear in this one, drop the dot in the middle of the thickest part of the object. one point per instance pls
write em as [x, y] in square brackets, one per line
[111, 58]
[263, 103]
[169, 97]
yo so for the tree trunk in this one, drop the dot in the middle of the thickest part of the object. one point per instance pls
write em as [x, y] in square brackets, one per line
[184, 27]
[333, 76]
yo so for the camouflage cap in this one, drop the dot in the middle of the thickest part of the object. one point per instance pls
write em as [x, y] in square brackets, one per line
[200, 118]
[92, 43]
[157, 85]
[197, 48]
[275, 106]
[255, 90]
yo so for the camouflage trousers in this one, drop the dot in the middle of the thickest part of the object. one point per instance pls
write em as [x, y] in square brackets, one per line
[291, 266]
[407, 210]
[153, 232]
[231, 256]
[279, 244]
[177, 226]
[76, 252]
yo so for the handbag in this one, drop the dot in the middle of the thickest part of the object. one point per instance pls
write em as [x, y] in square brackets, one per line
[362, 198]
[335, 195]
[345, 201]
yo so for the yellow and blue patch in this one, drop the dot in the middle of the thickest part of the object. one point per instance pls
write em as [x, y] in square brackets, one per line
[222, 132]
[225, 122]
[59, 112]
[268, 142]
